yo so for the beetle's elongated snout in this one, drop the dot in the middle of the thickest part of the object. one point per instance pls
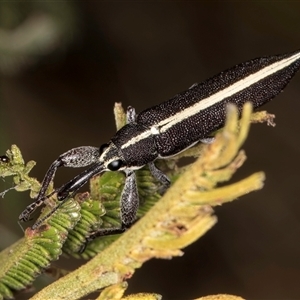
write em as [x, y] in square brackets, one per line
[71, 187]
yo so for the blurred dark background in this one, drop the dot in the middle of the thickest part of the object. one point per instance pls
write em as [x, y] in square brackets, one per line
[64, 64]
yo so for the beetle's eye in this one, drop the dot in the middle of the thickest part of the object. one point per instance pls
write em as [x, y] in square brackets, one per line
[103, 147]
[115, 165]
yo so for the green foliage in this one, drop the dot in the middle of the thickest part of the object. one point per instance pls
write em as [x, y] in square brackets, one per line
[28, 257]
[17, 168]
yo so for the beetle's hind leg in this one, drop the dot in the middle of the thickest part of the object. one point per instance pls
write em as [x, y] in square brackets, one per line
[208, 140]
[159, 175]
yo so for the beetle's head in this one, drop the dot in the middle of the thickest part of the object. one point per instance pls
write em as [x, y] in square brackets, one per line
[111, 158]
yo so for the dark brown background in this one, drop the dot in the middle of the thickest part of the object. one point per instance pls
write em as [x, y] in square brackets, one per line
[142, 53]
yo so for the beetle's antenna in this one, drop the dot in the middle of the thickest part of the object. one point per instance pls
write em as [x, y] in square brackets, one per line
[40, 221]
[24, 216]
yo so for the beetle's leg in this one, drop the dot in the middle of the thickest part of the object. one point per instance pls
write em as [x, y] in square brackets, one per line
[193, 85]
[208, 140]
[129, 207]
[69, 189]
[159, 175]
[129, 200]
[25, 215]
[130, 115]
[163, 178]
[74, 158]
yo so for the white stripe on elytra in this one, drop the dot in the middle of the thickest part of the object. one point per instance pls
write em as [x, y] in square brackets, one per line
[235, 88]
[227, 92]
[137, 138]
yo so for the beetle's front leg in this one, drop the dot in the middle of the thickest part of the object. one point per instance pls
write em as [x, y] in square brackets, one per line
[74, 158]
[69, 189]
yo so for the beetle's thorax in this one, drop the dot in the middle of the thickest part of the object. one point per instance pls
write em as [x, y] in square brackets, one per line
[136, 145]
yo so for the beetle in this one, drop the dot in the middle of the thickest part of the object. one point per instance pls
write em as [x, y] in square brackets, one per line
[168, 128]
